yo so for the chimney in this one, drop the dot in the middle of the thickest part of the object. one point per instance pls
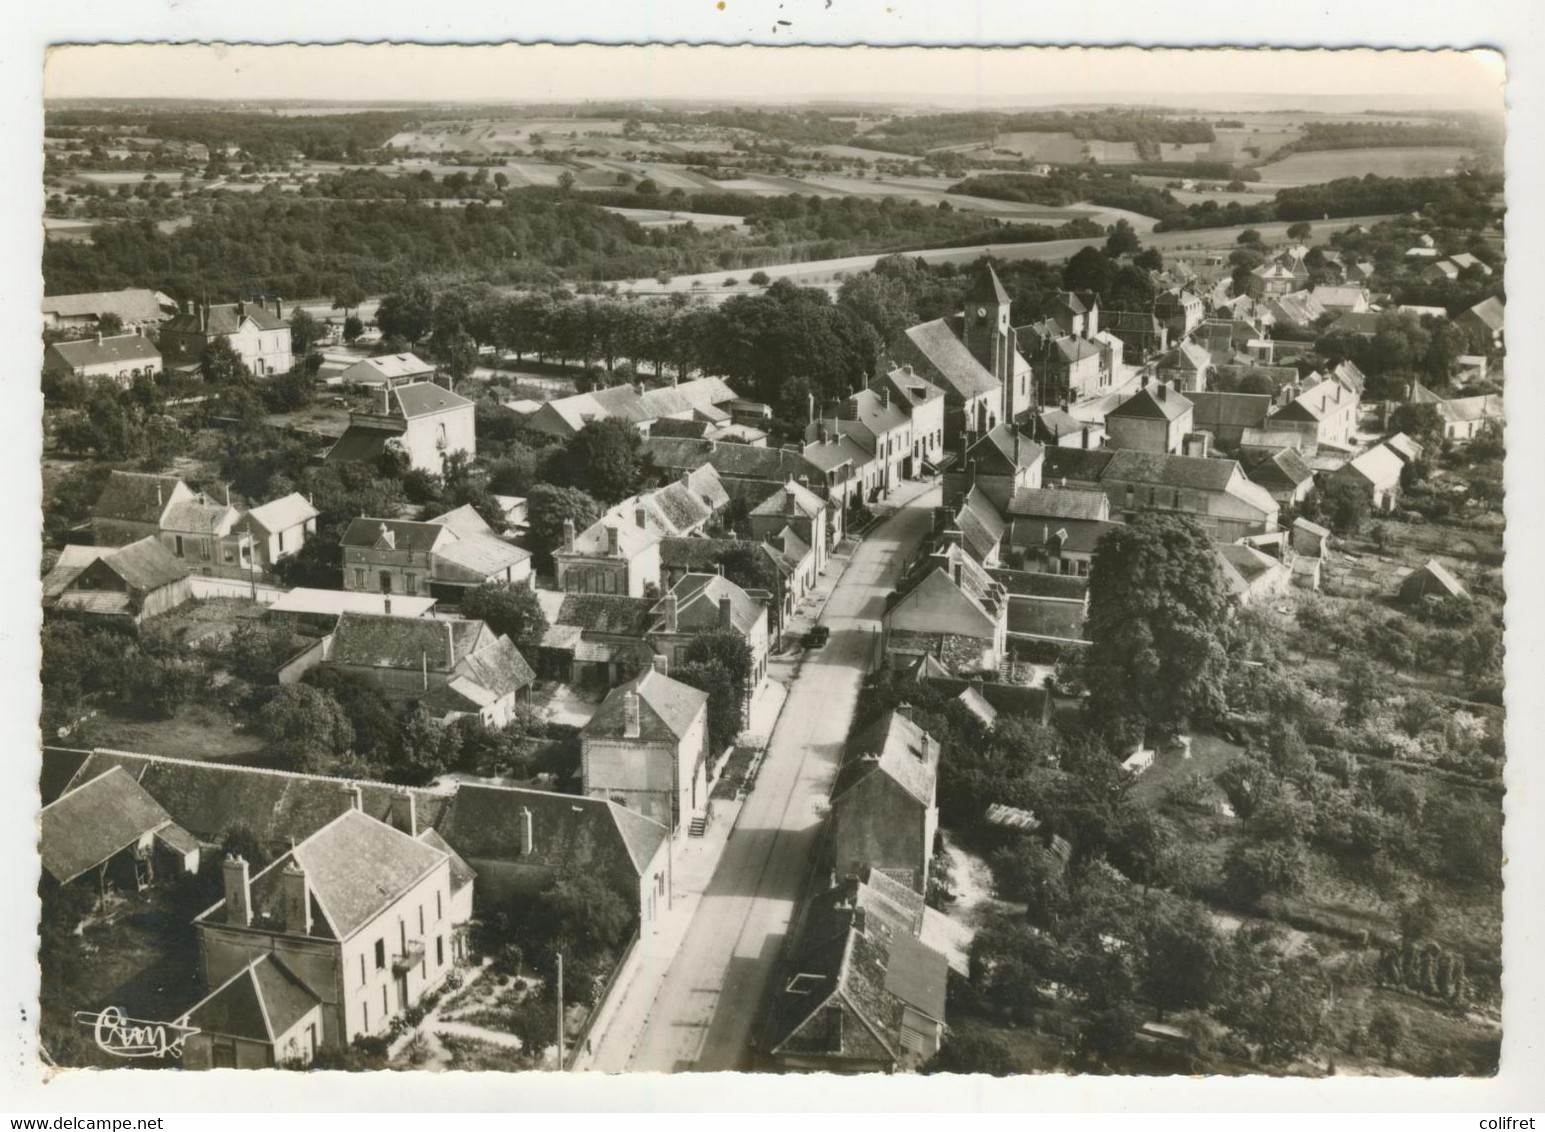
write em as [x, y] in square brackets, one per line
[885, 396]
[662, 664]
[404, 812]
[860, 920]
[527, 841]
[278, 307]
[726, 620]
[631, 725]
[295, 892]
[351, 798]
[1086, 436]
[241, 308]
[568, 534]
[1161, 391]
[810, 406]
[203, 317]
[641, 517]
[956, 570]
[611, 540]
[671, 612]
[450, 645]
[238, 891]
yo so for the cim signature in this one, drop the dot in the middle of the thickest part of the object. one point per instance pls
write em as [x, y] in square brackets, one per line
[122, 1036]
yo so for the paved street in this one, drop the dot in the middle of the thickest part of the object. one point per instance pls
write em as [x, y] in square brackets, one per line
[703, 1015]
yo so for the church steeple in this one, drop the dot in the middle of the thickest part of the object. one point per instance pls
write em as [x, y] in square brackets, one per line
[988, 334]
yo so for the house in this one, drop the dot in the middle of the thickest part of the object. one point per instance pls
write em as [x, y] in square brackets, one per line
[1185, 367]
[1180, 311]
[388, 370]
[1365, 324]
[1485, 320]
[441, 557]
[1431, 579]
[136, 308]
[620, 552]
[795, 508]
[706, 399]
[257, 331]
[422, 421]
[646, 748]
[119, 358]
[860, 991]
[1464, 418]
[1057, 529]
[1141, 332]
[1069, 368]
[1299, 310]
[1249, 574]
[881, 427]
[700, 604]
[279, 528]
[1227, 415]
[357, 921]
[1050, 618]
[1271, 279]
[849, 472]
[1002, 462]
[1325, 405]
[110, 828]
[749, 473]
[971, 522]
[952, 607]
[1283, 472]
[450, 667]
[884, 810]
[1059, 428]
[1214, 492]
[1154, 419]
[1348, 298]
[1376, 472]
[925, 403]
[518, 840]
[973, 357]
[781, 558]
[132, 583]
[1360, 272]
[596, 640]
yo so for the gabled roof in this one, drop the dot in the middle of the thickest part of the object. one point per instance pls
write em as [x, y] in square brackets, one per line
[730, 461]
[1432, 577]
[698, 598]
[1229, 410]
[386, 368]
[137, 497]
[791, 499]
[897, 748]
[120, 349]
[359, 444]
[281, 514]
[425, 398]
[259, 1003]
[981, 527]
[200, 516]
[500, 668]
[986, 287]
[1004, 449]
[1087, 465]
[1379, 465]
[908, 388]
[1283, 469]
[377, 640]
[1243, 566]
[226, 318]
[1356, 322]
[1187, 355]
[481, 554]
[1075, 349]
[937, 343]
[144, 565]
[73, 558]
[1060, 503]
[396, 534]
[1057, 423]
[464, 520]
[357, 867]
[95, 821]
[613, 614]
[1151, 404]
[667, 709]
[132, 304]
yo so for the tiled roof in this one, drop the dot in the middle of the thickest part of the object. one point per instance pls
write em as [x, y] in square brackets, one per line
[132, 304]
[952, 362]
[499, 667]
[387, 368]
[667, 708]
[1059, 503]
[121, 349]
[462, 874]
[834, 452]
[200, 516]
[801, 499]
[1149, 404]
[1235, 410]
[897, 748]
[376, 640]
[425, 398]
[981, 527]
[399, 534]
[698, 597]
[1196, 472]
[1075, 349]
[1379, 466]
[95, 821]
[1281, 470]
[145, 565]
[138, 497]
[730, 461]
[483, 554]
[359, 444]
[1246, 561]
[1004, 443]
[226, 318]
[1085, 465]
[259, 1003]
[613, 614]
[72, 559]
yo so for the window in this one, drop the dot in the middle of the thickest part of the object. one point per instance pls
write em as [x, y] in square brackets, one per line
[359, 577]
[380, 954]
[204, 548]
[386, 1007]
[439, 951]
[439, 908]
[386, 581]
[362, 969]
[420, 919]
[366, 1007]
[281, 542]
[230, 555]
[410, 583]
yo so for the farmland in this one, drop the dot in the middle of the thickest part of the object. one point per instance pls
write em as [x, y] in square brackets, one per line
[1318, 167]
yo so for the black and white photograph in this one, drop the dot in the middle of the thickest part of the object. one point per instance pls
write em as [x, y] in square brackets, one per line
[605, 559]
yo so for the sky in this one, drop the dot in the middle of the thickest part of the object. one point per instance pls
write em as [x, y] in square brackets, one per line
[956, 76]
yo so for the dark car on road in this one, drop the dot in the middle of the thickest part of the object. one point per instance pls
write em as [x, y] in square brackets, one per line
[817, 637]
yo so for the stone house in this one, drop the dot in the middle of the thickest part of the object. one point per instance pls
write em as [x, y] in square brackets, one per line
[424, 421]
[699, 604]
[1154, 419]
[884, 809]
[119, 358]
[441, 557]
[257, 331]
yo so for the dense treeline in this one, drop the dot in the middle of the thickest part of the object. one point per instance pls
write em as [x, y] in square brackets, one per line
[281, 245]
[263, 137]
[925, 131]
[1377, 135]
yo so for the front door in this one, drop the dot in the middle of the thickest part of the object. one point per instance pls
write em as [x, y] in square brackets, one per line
[402, 991]
[386, 581]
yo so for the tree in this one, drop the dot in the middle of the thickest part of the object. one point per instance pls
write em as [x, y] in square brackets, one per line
[220, 364]
[408, 313]
[1390, 1029]
[1123, 240]
[566, 180]
[719, 663]
[1254, 870]
[1249, 238]
[972, 1053]
[307, 725]
[548, 508]
[1420, 421]
[347, 296]
[1186, 962]
[304, 330]
[603, 460]
[425, 749]
[579, 913]
[352, 328]
[1157, 615]
[1343, 504]
[461, 355]
[1300, 231]
[510, 610]
[1088, 270]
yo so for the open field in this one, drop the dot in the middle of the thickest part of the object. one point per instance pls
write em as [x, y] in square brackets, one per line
[662, 218]
[1318, 167]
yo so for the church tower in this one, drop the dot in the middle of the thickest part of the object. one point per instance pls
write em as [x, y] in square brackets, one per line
[990, 337]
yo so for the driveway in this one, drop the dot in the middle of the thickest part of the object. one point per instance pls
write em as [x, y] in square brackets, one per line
[703, 1015]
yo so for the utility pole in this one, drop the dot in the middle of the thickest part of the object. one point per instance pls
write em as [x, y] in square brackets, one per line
[560, 1011]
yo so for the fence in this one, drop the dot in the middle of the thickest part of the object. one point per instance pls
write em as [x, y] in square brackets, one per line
[622, 974]
[206, 587]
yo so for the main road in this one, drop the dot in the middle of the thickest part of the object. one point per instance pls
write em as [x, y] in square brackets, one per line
[828, 272]
[703, 1014]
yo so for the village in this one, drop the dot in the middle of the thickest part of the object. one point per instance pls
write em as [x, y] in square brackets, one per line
[463, 677]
